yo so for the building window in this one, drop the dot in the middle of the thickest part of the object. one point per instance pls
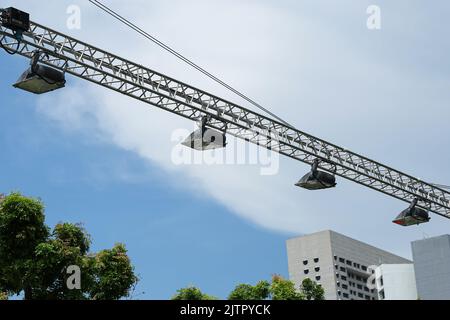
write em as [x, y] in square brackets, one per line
[367, 297]
[335, 257]
[348, 262]
[317, 269]
[316, 260]
[360, 295]
[359, 286]
[344, 278]
[345, 295]
[342, 260]
[306, 271]
[317, 278]
[305, 262]
[366, 289]
[364, 268]
[342, 269]
[344, 286]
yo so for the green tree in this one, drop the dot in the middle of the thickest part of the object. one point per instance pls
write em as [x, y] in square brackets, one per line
[279, 289]
[68, 245]
[192, 293]
[113, 274]
[22, 229]
[248, 292]
[34, 260]
[282, 289]
[311, 290]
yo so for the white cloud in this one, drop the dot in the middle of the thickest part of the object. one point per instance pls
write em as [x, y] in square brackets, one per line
[316, 67]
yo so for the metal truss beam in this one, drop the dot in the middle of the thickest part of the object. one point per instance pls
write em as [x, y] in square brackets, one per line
[113, 72]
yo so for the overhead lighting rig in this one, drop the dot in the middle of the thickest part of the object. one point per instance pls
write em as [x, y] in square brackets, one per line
[53, 54]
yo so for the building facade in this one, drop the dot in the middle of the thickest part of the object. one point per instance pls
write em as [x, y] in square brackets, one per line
[432, 267]
[396, 282]
[339, 263]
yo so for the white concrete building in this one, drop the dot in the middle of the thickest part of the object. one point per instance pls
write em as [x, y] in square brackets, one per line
[339, 263]
[432, 267]
[396, 282]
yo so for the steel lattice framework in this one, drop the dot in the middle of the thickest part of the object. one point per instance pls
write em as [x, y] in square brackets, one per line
[134, 80]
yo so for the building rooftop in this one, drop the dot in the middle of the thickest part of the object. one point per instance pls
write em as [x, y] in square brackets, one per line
[334, 234]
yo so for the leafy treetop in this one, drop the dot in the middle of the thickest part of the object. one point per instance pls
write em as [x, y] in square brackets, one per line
[34, 260]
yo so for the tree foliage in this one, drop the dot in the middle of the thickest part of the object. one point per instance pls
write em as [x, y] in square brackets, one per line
[34, 260]
[113, 274]
[278, 289]
[248, 292]
[312, 290]
[282, 289]
[192, 293]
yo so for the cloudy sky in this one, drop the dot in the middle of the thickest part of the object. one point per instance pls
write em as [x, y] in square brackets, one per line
[103, 159]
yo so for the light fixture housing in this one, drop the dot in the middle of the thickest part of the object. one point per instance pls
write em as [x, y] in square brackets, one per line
[316, 179]
[15, 19]
[205, 138]
[412, 216]
[42, 79]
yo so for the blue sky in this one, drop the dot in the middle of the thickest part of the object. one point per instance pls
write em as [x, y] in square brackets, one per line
[98, 158]
[173, 238]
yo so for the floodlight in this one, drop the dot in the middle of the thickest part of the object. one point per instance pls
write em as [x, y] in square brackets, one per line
[316, 179]
[412, 216]
[39, 78]
[205, 138]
